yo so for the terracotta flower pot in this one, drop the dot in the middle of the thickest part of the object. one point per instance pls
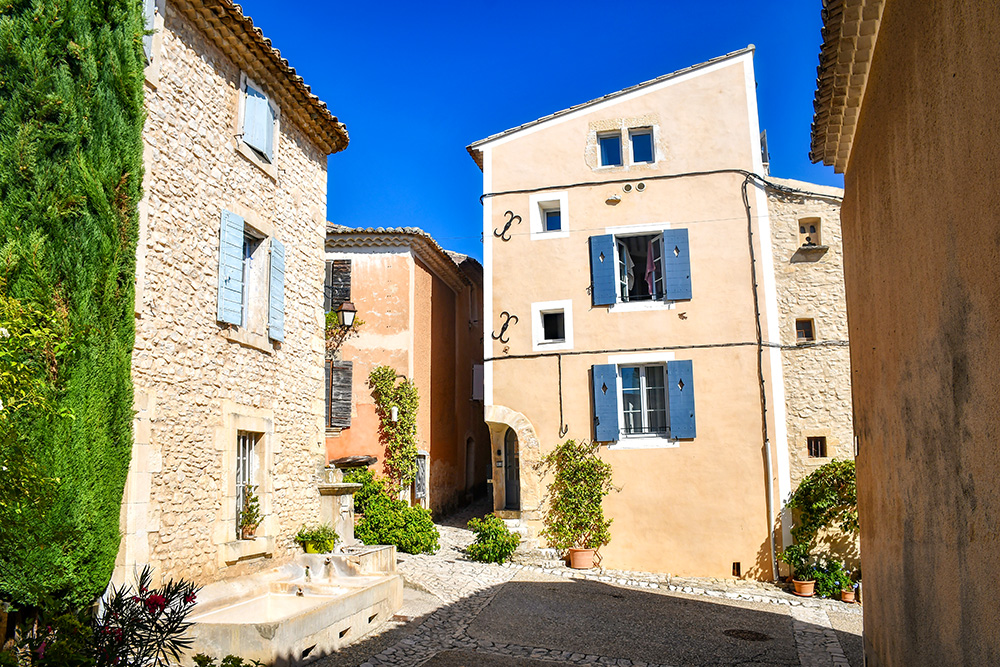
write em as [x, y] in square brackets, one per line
[581, 559]
[248, 533]
[804, 589]
[847, 596]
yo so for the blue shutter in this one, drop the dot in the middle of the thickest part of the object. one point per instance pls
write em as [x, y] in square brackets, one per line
[605, 402]
[255, 114]
[676, 264]
[149, 14]
[230, 298]
[276, 292]
[269, 133]
[680, 388]
[602, 270]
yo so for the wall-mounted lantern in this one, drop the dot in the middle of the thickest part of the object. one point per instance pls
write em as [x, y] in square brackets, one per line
[346, 314]
[394, 414]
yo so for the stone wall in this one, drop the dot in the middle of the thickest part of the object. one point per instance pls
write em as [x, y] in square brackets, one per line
[810, 285]
[198, 381]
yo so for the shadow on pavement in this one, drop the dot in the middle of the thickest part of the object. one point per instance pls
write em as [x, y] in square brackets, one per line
[536, 620]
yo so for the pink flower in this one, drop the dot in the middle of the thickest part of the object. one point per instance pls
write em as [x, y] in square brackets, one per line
[155, 604]
[189, 598]
[41, 650]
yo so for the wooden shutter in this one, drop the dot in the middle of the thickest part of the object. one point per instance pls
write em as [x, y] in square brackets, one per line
[269, 118]
[676, 264]
[478, 382]
[680, 389]
[602, 270]
[339, 383]
[256, 113]
[230, 296]
[276, 292]
[149, 14]
[605, 384]
[337, 285]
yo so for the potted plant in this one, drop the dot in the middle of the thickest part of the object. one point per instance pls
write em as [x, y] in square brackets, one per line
[250, 515]
[803, 573]
[574, 518]
[317, 539]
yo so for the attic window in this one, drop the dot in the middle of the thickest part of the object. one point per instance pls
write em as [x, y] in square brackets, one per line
[611, 149]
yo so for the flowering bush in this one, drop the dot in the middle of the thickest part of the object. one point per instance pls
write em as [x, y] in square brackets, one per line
[144, 626]
[494, 541]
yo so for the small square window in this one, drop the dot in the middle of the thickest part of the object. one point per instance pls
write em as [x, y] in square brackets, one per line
[611, 149]
[809, 232]
[804, 331]
[642, 145]
[553, 220]
[554, 327]
[817, 447]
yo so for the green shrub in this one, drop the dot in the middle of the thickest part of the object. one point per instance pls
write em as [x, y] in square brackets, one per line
[371, 486]
[321, 536]
[831, 579]
[494, 541]
[574, 516]
[71, 119]
[391, 521]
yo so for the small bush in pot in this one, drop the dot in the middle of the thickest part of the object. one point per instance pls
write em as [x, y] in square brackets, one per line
[574, 517]
[803, 572]
[831, 579]
[494, 541]
[250, 515]
[319, 538]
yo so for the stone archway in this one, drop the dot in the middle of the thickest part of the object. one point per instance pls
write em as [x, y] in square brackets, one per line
[500, 419]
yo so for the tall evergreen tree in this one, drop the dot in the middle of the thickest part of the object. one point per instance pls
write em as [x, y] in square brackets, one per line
[71, 117]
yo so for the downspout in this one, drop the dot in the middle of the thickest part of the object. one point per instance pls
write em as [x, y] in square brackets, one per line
[770, 504]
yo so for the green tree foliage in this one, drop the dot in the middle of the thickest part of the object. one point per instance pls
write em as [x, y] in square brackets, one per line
[574, 516]
[826, 498]
[400, 436]
[71, 117]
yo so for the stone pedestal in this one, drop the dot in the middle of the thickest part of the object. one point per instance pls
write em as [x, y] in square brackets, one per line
[336, 505]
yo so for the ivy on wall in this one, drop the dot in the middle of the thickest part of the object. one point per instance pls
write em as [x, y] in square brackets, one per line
[71, 119]
[399, 437]
[826, 498]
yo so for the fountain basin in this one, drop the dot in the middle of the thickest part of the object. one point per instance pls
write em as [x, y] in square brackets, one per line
[282, 618]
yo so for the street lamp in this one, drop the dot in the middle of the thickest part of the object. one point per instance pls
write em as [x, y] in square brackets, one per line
[346, 314]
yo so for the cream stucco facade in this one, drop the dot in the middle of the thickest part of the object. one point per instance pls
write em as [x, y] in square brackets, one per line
[625, 294]
[203, 383]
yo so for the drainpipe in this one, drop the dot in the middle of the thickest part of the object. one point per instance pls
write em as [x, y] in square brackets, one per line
[770, 506]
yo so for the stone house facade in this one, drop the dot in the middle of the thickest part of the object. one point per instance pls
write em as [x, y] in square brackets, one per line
[421, 307]
[624, 297]
[228, 353]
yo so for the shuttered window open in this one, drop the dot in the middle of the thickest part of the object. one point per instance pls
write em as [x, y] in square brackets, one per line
[605, 386]
[258, 122]
[602, 270]
[677, 264]
[339, 378]
[680, 389]
[230, 295]
[337, 285]
[276, 292]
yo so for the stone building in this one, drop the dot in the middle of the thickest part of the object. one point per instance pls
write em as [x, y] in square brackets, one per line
[628, 304]
[228, 352]
[906, 99]
[421, 306]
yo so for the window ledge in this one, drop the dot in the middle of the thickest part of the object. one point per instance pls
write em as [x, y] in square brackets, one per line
[809, 253]
[645, 443]
[332, 431]
[554, 234]
[237, 550]
[249, 339]
[637, 306]
[250, 154]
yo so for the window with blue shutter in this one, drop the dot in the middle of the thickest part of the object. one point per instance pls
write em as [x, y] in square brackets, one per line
[230, 296]
[149, 14]
[680, 388]
[258, 122]
[677, 264]
[605, 385]
[276, 292]
[602, 270]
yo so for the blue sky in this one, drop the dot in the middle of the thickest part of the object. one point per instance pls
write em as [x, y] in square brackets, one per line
[415, 83]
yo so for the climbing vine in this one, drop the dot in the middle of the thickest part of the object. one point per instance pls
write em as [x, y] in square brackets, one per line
[399, 437]
[336, 334]
[827, 497]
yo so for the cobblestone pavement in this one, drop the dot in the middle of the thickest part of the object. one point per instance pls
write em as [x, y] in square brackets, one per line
[455, 591]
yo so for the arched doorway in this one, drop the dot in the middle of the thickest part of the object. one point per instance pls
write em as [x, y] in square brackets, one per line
[511, 472]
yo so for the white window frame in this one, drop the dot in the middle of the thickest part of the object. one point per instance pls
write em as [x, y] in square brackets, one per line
[270, 168]
[635, 306]
[644, 129]
[541, 202]
[538, 342]
[641, 440]
[247, 467]
[621, 149]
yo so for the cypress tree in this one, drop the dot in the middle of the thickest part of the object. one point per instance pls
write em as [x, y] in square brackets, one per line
[71, 117]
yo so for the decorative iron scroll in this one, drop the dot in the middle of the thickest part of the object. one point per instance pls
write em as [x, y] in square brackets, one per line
[510, 319]
[511, 218]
